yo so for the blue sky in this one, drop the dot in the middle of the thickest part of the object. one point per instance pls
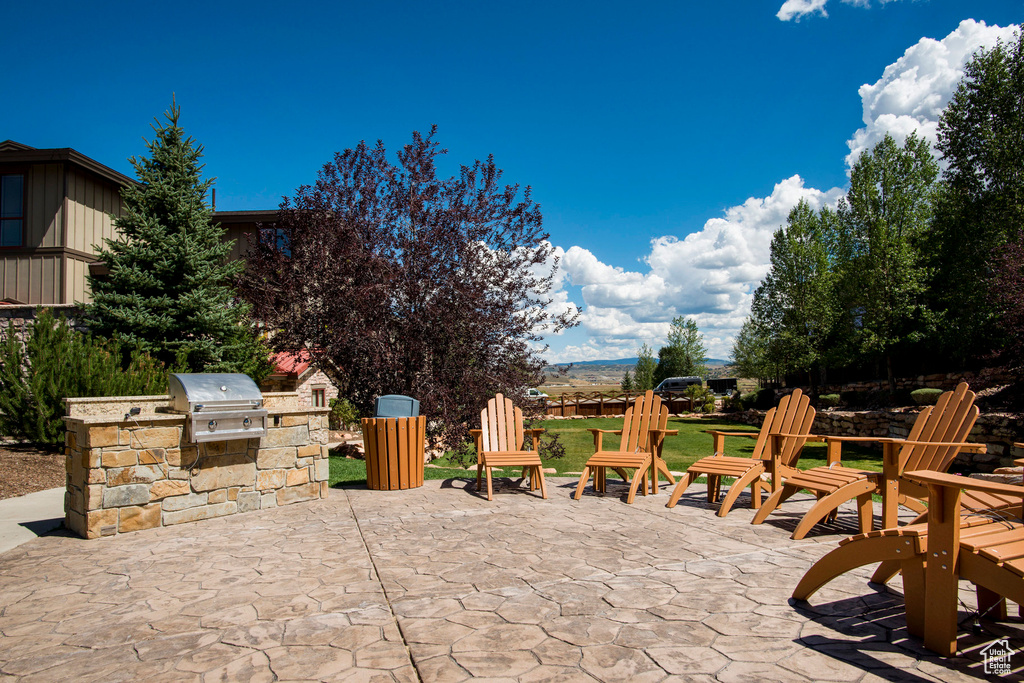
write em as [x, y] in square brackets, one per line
[664, 142]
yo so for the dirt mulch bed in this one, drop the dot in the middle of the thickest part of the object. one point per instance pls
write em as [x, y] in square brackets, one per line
[26, 469]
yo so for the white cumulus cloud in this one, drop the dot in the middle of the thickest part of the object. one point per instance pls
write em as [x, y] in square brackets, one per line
[709, 275]
[797, 9]
[914, 90]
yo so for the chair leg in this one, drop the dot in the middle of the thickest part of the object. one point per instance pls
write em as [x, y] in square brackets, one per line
[583, 482]
[856, 553]
[714, 487]
[991, 605]
[885, 571]
[540, 478]
[828, 503]
[479, 467]
[737, 488]
[769, 505]
[639, 476]
[677, 492]
[865, 513]
[490, 488]
[914, 595]
[663, 468]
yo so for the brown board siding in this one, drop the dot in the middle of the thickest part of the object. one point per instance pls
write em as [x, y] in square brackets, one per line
[76, 286]
[90, 203]
[31, 279]
[43, 210]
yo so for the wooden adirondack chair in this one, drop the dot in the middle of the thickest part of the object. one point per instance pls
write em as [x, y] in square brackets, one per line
[500, 444]
[959, 541]
[937, 436]
[640, 448]
[785, 430]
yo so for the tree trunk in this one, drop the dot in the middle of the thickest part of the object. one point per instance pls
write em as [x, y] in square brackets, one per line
[889, 374]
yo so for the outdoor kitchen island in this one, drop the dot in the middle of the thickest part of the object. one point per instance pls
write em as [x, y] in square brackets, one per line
[134, 464]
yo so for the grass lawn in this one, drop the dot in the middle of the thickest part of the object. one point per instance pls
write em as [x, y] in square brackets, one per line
[679, 451]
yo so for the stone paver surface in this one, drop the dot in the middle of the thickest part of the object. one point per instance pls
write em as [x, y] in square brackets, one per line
[438, 584]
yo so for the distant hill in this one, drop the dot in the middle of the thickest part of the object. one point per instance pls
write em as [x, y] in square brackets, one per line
[713, 362]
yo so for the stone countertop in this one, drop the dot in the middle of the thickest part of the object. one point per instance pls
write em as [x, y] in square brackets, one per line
[172, 418]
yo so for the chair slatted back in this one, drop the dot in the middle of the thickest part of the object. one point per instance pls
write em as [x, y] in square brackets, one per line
[646, 413]
[502, 425]
[794, 415]
[950, 420]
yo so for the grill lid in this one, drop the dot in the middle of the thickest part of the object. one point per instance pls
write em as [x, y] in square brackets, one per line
[195, 391]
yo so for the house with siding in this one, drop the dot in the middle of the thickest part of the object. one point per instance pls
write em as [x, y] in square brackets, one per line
[56, 207]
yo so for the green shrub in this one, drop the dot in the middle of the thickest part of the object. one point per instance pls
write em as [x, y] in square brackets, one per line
[342, 414]
[828, 400]
[702, 399]
[926, 397]
[57, 362]
[762, 399]
[734, 402]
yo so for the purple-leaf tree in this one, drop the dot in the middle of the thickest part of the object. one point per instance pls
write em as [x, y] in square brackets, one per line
[1008, 292]
[400, 282]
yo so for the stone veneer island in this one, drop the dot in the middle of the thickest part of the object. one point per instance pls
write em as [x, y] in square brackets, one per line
[127, 473]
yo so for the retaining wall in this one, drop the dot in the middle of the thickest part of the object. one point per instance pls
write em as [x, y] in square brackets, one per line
[127, 474]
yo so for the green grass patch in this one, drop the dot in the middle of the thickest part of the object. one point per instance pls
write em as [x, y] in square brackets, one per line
[679, 452]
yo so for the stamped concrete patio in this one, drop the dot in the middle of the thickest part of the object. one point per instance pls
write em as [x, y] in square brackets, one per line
[437, 584]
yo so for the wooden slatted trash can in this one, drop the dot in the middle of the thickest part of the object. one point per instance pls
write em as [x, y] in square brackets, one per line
[393, 441]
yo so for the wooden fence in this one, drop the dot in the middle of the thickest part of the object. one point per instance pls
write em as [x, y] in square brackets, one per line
[599, 404]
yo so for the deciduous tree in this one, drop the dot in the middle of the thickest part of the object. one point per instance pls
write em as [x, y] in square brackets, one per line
[981, 138]
[884, 220]
[793, 308]
[1008, 294]
[685, 355]
[643, 371]
[398, 281]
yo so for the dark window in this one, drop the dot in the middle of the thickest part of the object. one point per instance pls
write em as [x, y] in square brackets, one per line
[320, 397]
[12, 214]
[278, 238]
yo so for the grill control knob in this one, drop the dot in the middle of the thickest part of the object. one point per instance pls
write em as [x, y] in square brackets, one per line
[246, 422]
[212, 425]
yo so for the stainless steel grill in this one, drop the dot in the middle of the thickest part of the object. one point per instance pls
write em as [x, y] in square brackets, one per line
[221, 406]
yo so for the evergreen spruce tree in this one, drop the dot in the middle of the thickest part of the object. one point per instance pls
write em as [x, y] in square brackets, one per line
[170, 291]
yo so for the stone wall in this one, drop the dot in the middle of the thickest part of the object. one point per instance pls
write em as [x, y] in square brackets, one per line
[996, 430]
[983, 378]
[129, 473]
[20, 315]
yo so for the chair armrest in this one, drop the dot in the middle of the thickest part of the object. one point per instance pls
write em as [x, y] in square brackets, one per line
[598, 435]
[664, 432]
[857, 439]
[534, 435]
[716, 432]
[966, 483]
